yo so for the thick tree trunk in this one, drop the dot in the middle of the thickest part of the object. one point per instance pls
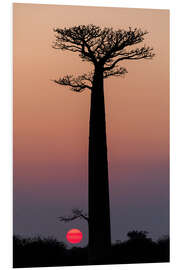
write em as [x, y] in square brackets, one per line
[99, 209]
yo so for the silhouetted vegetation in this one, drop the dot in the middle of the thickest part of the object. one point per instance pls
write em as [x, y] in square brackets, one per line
[39, 252]
[141, 249]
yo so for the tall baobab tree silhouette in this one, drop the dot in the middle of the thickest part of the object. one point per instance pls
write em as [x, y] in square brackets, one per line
[104, 48]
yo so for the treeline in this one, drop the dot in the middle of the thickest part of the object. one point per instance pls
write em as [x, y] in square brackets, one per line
[44, 252]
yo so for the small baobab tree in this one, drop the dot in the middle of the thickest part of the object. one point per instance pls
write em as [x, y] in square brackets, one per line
[104, 48]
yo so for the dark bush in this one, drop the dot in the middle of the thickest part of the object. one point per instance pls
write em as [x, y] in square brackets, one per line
[39, 252]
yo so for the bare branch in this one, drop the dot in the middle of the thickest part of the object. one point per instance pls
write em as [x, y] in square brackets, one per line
[77, 84]
[76, 214]
[115, 72]
[72, 48]
[144, 52]
[82, 37]
[122, 39]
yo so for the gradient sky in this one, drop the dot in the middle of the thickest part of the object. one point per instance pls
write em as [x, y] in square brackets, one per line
[51, 125]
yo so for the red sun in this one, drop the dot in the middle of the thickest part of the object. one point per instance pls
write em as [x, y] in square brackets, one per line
[74, 236]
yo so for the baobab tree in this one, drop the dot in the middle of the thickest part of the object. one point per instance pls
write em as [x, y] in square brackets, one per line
[104, 48]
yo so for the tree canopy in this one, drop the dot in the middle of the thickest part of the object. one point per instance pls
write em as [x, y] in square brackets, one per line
[103, 47]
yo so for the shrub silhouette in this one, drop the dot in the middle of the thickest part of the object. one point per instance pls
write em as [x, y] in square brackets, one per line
[135, 235]
[44, 252]
[37, 252]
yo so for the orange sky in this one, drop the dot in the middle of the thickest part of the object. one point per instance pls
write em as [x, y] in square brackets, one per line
[51, 122]
[137, 106]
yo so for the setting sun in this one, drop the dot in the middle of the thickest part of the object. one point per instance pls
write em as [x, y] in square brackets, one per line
[74, 236]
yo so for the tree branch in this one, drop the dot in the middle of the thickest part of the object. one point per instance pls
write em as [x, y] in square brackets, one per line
[76, 214]
[77, 84]
[144, 52]
[82, 37]
[114, 72]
